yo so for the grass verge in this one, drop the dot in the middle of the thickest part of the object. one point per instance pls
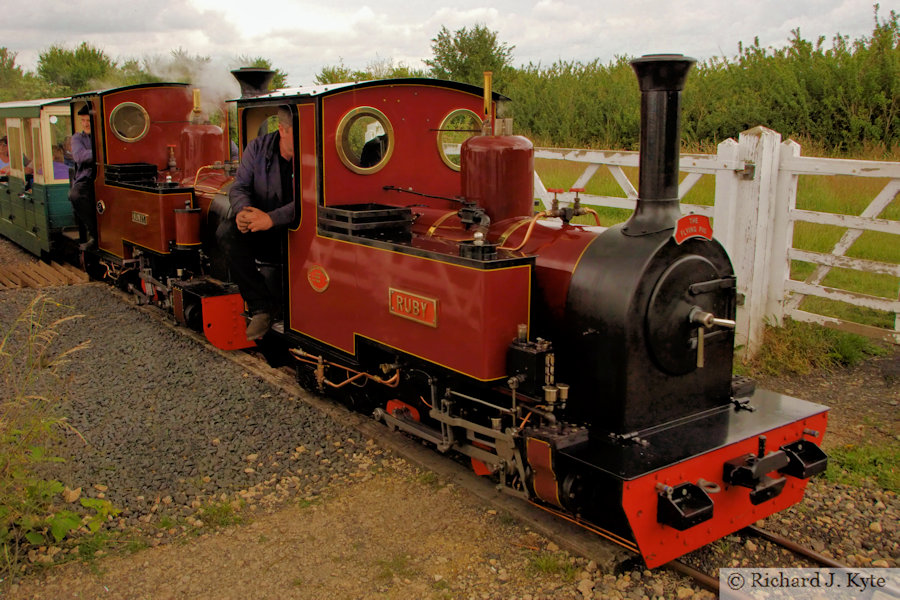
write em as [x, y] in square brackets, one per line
[33, 511]
[865, 465]
[548, 563]
[800, 348]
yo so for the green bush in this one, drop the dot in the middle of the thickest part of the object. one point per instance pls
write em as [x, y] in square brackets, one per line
[846, 98]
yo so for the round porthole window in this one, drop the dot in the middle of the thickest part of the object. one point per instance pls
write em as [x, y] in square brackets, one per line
[365, 140]
[129, 121]
[455, 129]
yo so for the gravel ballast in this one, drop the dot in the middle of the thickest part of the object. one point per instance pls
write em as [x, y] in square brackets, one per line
[164, 424]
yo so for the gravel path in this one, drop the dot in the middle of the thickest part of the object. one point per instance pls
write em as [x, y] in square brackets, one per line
[181, 440]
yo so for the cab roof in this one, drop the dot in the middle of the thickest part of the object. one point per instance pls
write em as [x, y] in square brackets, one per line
[28, 108]
[332, 88]
[103, 92]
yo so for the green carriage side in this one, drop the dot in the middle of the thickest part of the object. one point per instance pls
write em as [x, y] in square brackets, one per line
[34, 204]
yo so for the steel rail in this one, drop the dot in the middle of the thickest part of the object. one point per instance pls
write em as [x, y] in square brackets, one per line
[795, 548]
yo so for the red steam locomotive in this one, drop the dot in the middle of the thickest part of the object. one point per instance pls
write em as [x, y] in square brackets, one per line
[590, 372]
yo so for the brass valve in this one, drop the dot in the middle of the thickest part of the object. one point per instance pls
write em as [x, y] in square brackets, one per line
[708, 320]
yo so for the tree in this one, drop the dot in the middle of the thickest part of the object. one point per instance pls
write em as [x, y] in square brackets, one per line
[10, 73]
[380, 68]
[338, 73]
[16, 84]
[131, 72]
[465, 55]
[74, 70]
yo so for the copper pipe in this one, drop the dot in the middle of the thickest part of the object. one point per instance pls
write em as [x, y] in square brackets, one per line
[527, 233]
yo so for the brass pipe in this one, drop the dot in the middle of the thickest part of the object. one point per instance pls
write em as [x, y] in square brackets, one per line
[591, 211]
[437, 223]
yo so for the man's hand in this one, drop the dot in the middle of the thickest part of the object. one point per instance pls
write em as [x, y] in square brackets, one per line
[253, 219]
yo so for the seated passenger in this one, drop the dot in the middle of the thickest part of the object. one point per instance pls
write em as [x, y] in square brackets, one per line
[60, 168]
[67, 152]
[4, 163]
[29, 172]
[262, 200]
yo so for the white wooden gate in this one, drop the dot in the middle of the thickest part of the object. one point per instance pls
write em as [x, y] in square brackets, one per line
[754, 214]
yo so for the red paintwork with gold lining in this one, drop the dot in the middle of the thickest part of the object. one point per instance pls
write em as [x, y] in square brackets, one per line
[476, 310]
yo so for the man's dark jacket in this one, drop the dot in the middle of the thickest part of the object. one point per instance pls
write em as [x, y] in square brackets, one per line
[258, 181]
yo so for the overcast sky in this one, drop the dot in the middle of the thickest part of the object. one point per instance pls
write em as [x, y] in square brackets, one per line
[302, 36]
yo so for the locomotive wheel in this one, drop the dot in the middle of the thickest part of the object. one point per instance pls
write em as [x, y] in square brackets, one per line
[573, 493]
[193, 316]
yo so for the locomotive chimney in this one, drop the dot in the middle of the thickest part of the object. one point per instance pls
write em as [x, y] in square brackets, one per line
[254, 81]
[661, 79]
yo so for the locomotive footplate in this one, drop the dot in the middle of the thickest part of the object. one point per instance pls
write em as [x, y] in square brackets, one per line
[636, 454]
[691, 482]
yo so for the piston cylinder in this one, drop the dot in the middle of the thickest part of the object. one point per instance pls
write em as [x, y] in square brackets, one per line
[498, 175]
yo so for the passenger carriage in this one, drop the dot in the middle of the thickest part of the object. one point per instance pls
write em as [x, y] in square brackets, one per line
[34, 205]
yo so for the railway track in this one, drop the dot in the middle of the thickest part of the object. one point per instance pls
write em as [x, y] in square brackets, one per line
[797, 549]
[712, 583]
[38, 274]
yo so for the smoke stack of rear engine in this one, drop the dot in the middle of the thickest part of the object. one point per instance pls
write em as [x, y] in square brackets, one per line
[254, 81]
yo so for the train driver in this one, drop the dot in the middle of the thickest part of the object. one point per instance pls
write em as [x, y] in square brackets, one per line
[81, 194]
[262, 200]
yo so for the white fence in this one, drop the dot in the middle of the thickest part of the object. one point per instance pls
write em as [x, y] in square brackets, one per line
[754, 214]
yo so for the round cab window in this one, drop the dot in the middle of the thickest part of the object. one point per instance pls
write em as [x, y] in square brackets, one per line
[129, 122]
[455, 129]
[365, 140]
